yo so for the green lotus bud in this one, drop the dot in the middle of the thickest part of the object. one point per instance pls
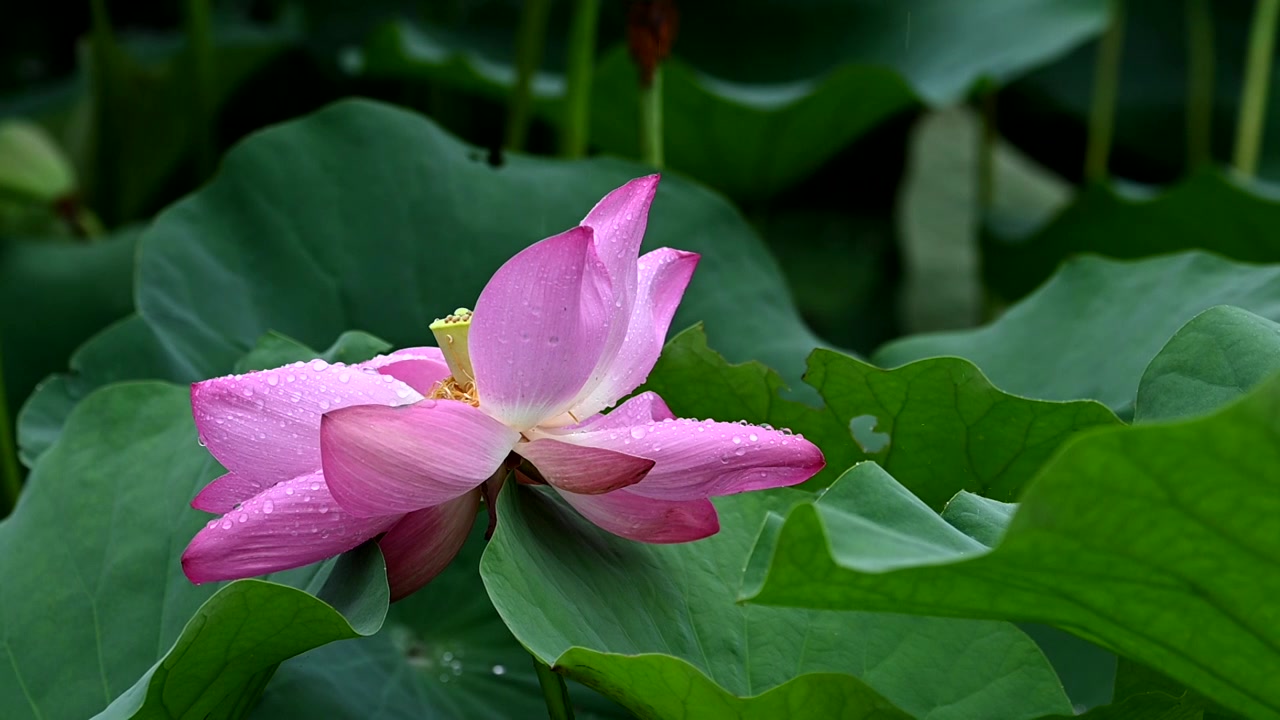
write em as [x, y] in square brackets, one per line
[31, 164]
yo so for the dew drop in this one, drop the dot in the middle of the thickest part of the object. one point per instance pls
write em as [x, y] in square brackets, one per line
[499, 670]
[319, 365]
[247, 392]
[740, 452]
[753, 437]
[200, 441]
[268, 507]
[344, 377]
[290, 377]
[244, 517]
[315, 486]
[637, 432]
[737, 440]
[324, 404]
[324, 509]
[226, 524]
[272, 380]
[288, 491]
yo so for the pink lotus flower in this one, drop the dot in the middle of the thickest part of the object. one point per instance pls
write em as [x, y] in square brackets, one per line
[321, 458]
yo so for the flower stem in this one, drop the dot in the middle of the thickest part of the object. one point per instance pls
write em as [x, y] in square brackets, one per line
[554, 691]
[1253, 103]
[1199, 83]
[579, 74]
[529, 42]
[651, 120]
[10, 473]
[202, 78]
[1106, 81]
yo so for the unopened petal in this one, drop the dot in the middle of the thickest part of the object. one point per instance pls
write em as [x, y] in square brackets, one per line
[288, 525]
[539, 328]
[424, 542]
[583, 469]
[380, 460]
[643, 519]
[264, 426]
[664, 275]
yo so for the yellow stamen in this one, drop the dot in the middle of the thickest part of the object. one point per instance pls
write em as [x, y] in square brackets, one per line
[451, 389]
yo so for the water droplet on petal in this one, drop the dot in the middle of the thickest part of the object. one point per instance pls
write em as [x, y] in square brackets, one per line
[319, 365]
[753, 437]
[637, 432]
[272, 380]
[737, 440]
[288, 491]
[740, 452]
[244, 517]
[247, 392]
[226, 524]
[344, 377]
[268, 507]
[324, 404]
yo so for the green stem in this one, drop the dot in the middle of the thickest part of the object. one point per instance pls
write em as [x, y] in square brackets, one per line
[1253, 104]
[10, 473]
[200, 47]
[1106, 81]
[579, 74]
[554, 692]
[104, 169]
[529, 43]
[651, 120]
[1199, 83]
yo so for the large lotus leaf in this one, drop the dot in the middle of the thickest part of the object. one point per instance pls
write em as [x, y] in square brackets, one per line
[229, 650]
[93, 592]
[53, 296]
[938, 424]
[126, 350]
[1159, 541]
[1208, 210]
[1215, 358]
[365, 216]
[443, 652]
[1091, 330]
[656, 628]
[818, 74]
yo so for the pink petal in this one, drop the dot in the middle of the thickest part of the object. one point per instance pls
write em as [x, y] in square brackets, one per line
[264, 426]
[288, 525]
[664, 275]
[540, 326]
[380, 461]
[618, 223]
[642, 409]
[420, 368]
[706, 459]
[223, 494]
[424, 542]
[634, 517]
[583, 469]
